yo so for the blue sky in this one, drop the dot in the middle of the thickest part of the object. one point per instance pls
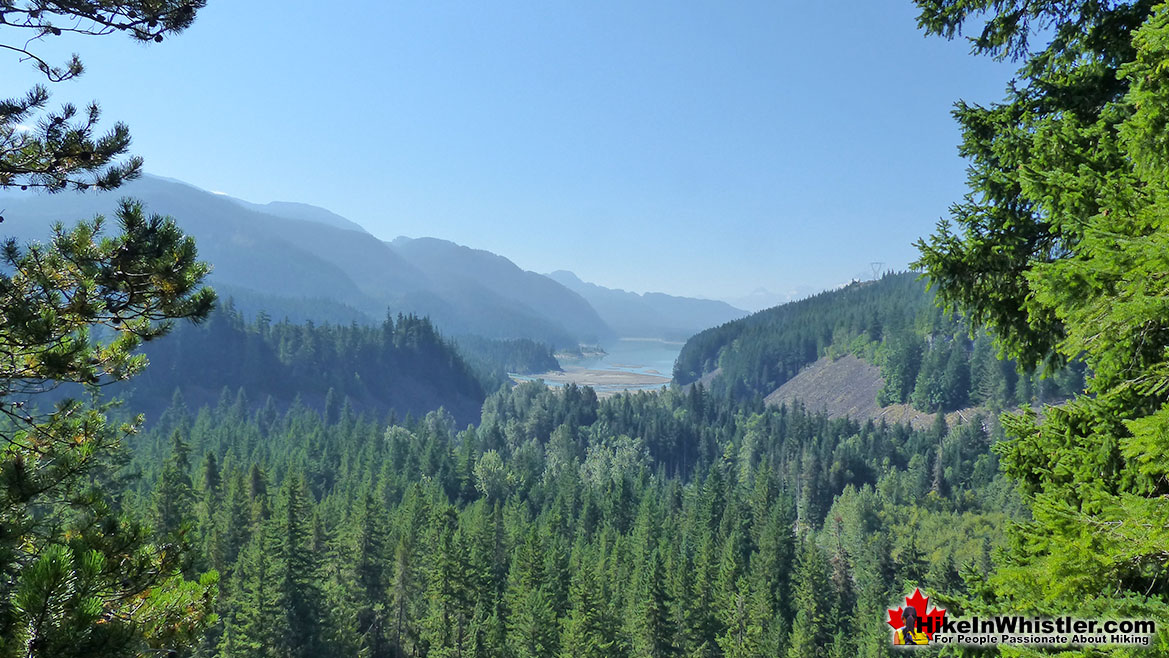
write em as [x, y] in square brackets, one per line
[695, 148]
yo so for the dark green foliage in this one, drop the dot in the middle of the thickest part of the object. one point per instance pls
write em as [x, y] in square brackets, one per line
[926, 357]
[498, 358]
[588, 630]
[956, 376]
[299, 575]
[174, 495]
[760, 352]
[901, 367]
[645, 525]
[79, 575]
[813, 625]
[1041, 161]
[73, 562]
[1060, 248]
[403, 366]
[650, 626]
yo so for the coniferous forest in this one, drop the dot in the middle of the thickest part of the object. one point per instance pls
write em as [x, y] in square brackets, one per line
[669, 524]
[179, 479]
[928, 358]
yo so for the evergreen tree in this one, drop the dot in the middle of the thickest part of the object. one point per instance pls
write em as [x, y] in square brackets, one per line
[956, 377]
[256, 624]
[929, 393]
[371, 579]
[174, 496]
[299, 579]
[651, 627]
[388, 561]
[531, 619]
[75, 577]
[402, 589]
[813, 627]
[702, 624]
[446, 627]
[902, 360]
[743, 617]
[1060, 249]
[53, 460]
[587, 630]
[232, 525]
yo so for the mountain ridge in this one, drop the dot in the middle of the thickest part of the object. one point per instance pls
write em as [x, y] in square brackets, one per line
[650, 314]
[300, 253]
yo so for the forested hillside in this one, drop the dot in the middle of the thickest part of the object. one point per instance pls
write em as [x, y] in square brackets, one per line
[495, 359]
[927, 357]
[321, 490]
[403, 366]
[758, 353]
[674, 524]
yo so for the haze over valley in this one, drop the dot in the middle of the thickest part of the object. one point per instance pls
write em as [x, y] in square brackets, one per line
[584, 330]
[304, 262]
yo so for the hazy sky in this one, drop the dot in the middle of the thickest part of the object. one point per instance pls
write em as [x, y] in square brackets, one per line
[698, 148]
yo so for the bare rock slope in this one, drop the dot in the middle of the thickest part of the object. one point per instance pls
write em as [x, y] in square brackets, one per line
[848, 386]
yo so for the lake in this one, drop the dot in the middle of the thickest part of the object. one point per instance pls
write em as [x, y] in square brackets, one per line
[630, 364]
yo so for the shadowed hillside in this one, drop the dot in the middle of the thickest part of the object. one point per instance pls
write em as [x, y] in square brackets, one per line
[301, 257]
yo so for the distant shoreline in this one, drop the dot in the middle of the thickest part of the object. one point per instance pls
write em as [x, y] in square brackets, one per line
[653, 340]
[604, 382]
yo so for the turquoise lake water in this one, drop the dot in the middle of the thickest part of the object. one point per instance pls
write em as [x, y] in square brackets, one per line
[644, 357]
[640, 357]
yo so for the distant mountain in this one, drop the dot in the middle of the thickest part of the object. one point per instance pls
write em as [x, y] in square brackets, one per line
[650, 315]
[761, 298]
[460, 272]
[304, 211]
[253, 250]
[300, 257]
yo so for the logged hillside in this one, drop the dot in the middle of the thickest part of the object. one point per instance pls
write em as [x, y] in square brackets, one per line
[849, 387]
[760, 352]
[926, 359]
[844, 387]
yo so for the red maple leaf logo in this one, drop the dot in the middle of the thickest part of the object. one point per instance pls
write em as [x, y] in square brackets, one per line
[931, 620]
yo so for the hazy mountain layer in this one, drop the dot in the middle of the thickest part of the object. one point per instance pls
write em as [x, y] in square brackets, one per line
[322, 266]
[457, 270]
[303, 211]
[653, 314]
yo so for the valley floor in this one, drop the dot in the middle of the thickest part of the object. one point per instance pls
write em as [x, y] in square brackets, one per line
[604, 382]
